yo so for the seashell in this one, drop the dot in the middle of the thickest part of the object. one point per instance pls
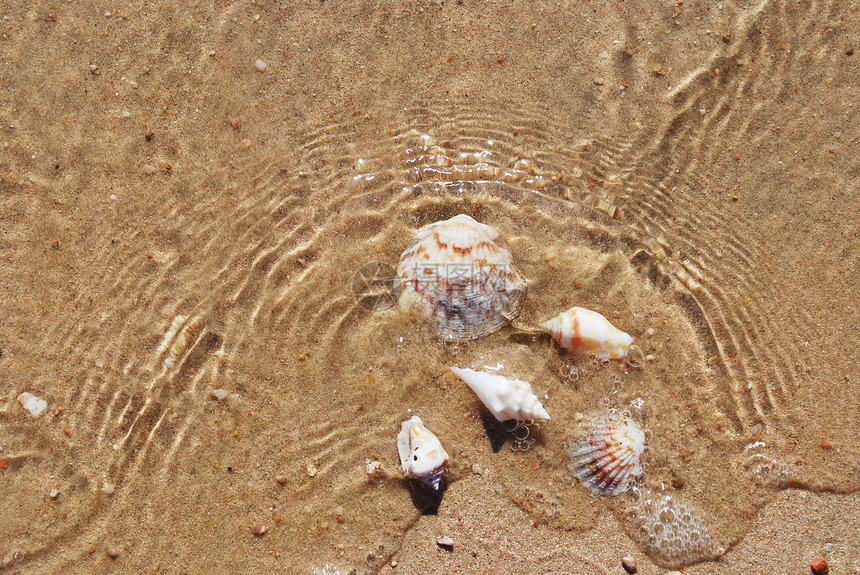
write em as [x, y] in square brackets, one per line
[421, 453]
[607, 458]
[583, 331]
[505, 398]
[459, 274]
[35, 405]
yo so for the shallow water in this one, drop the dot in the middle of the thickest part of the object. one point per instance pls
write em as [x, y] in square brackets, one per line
[690, 188]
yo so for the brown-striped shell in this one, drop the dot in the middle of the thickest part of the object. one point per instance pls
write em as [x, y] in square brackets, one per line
[607, 454]
[460, 274]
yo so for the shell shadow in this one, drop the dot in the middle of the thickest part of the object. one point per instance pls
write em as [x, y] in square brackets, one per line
[523, 437]
[496, 433]
[426, 499]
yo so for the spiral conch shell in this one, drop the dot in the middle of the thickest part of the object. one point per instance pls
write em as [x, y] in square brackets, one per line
[505, 398]
[583, 331]
[421, 453]
[459, 273]
[607, 457]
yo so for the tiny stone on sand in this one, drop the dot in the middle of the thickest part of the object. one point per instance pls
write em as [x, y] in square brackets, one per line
[819, 566]
[375, 471]
[261, 66]
[445, 542]
[260, 529]
[219, 393]
[35, 405]
[629, 564]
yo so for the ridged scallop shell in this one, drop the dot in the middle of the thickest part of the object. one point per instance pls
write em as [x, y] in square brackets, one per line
[460, 274]
[607, 458]
[505, 398]
[421, 453]
[583, 331]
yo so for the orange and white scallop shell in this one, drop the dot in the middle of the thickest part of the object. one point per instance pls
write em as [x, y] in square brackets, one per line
[608, 454]
[459, 273]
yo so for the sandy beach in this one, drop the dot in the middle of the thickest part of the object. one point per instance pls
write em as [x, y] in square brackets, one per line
[187, 191]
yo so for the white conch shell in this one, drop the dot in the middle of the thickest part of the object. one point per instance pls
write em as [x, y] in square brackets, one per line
[607, 458]
[421, 453]
[505, 398]
[459, 273]
[580, 330]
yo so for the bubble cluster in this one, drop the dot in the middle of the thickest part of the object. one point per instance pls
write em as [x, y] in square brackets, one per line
[774, 473]
[521, 432]
[669, 529]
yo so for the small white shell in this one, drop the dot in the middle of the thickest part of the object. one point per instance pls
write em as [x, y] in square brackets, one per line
[459, 273]
[505, 398]
[35, 405]
[583, 331]
[421, 453]
[607, 458]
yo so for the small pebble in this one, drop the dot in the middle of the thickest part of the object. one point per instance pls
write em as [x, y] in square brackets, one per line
[281, 479]
[126, 114]
[310, 468]
[35, 405]
[445, 542]
[477, 469]
[133, 84]
[149, 169]
[112, 552]
[819, 566]
[375, 471]
[650, 331]
[261, 66]
[629, 564]
[109, 488]
[649, 357]
[113, 196]
[260, 529]
[54, 493]
[219, 393]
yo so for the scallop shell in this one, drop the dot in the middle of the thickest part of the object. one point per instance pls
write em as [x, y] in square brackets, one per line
[607, 458]
[505, 398]
[459, 274]
[583, 331]
[421, 453]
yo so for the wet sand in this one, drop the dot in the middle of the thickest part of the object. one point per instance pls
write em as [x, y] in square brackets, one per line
[177, 218]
